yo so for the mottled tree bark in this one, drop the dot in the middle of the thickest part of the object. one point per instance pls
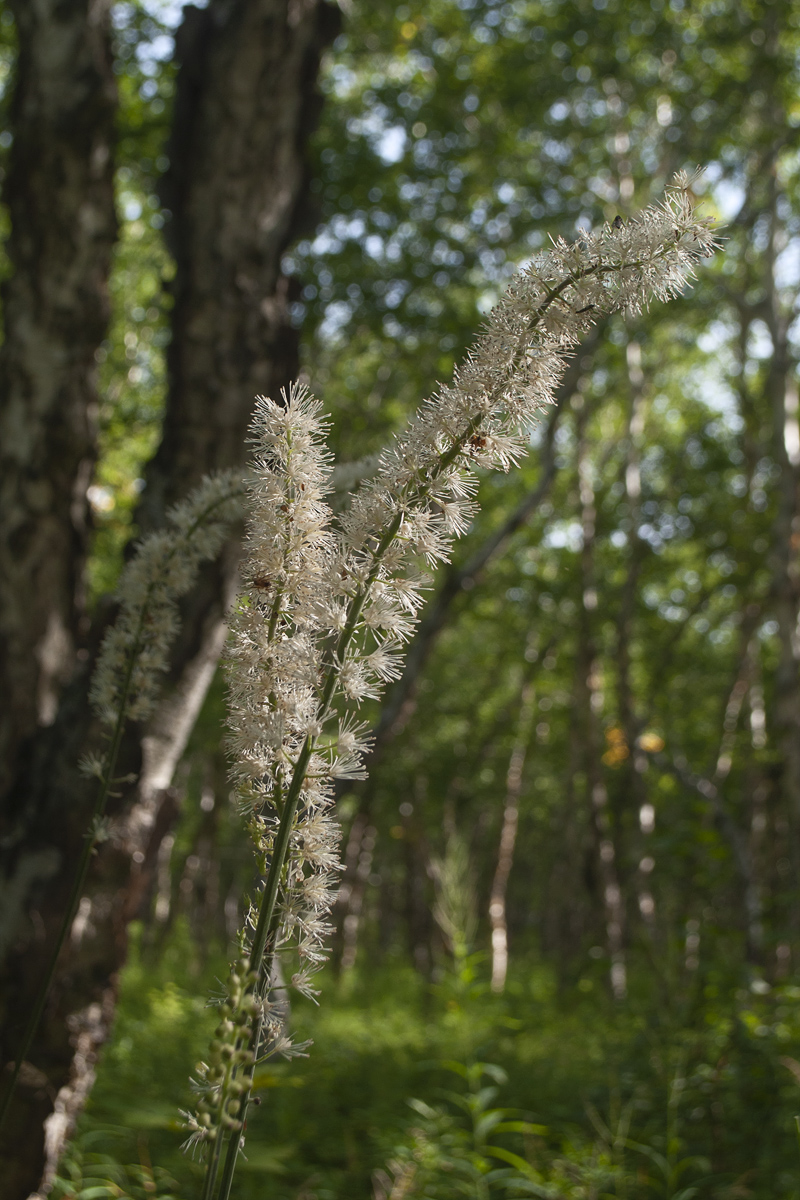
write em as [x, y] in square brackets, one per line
[236, 191]
[60, 195]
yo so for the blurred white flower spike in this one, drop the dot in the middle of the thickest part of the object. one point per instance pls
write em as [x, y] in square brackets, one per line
[135, 652]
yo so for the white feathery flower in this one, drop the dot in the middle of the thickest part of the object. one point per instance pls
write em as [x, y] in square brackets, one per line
[302, 981]
[354, 736]
[318, 891]
[348, 766]
[326, 609]
[355, 681]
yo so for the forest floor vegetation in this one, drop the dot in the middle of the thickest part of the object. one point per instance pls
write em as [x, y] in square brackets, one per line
[693, 1096]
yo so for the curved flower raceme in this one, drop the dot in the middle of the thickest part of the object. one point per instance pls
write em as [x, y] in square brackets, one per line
[422, 495]
[135, 651]
[276, 660]
[281, 766]
[329, 602]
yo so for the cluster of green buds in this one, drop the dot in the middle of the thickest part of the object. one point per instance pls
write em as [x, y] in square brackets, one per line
[228, 1075]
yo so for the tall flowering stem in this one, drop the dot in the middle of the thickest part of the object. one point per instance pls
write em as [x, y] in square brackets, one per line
[132, 659]
[328, 603]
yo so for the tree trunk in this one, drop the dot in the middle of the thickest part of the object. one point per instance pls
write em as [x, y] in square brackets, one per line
[589, 706]
[711, 787]
[508, 838]
[635, 793]
[785, 562]
[60, 195]
[236, 190]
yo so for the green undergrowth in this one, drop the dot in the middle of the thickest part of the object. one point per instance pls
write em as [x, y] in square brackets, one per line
[446, 1090]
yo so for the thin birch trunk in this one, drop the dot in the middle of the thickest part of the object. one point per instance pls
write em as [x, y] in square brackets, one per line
[590, 703]
[636, 764]
[508, 838]
[711, 788]
[785, 564]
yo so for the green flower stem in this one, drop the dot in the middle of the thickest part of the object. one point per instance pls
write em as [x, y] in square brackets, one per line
[234, 1143]
[266, 930]
[268, 917]
[213, 1162]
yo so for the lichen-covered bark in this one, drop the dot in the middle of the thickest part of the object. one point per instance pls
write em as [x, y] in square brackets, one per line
[60, 197]
[236, 192]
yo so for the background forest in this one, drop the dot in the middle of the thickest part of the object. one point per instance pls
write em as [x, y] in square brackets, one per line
[567, 950]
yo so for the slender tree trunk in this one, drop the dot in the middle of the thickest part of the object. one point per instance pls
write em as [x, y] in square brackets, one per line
[566, 919]
[360, 849]
[753, 908]
[785, 541]
[711, 786]
[508, 838]
[590, 703]
[60, 195]
[236, 191]
[636, 764]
